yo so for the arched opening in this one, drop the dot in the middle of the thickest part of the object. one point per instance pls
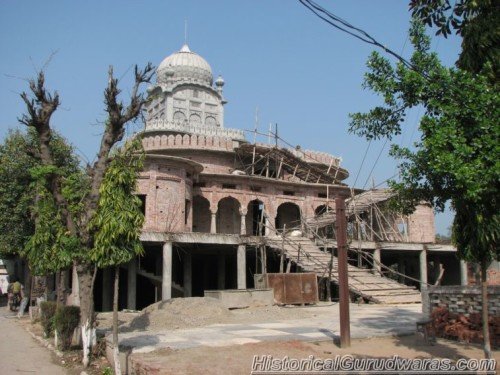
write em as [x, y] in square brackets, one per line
[320, 210]
[228, 216]
[210, 121]
[255, 210]
[289, 215]
[195, 119]
[179, 116]
[201, 214]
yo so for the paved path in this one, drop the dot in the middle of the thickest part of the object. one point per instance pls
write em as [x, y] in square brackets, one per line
[20, 353]
[366, 321]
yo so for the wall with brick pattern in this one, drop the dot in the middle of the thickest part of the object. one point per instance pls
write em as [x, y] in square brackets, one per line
[464, 299]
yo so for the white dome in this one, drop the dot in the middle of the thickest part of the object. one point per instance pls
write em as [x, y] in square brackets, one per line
[185, 66]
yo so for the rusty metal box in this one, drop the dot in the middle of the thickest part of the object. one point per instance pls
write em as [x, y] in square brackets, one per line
[290, 288]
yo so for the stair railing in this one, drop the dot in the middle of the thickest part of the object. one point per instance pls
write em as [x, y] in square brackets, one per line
[368, 257]
[288, 241]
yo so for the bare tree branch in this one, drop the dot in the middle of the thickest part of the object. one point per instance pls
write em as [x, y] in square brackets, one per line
[118, 117]
[40, 106]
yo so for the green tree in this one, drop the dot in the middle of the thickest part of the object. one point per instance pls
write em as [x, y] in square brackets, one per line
[118, 221]
[458, 156]
[19, 154]
[476, 21]
[16, 224]
[23, 202]
[76, 216]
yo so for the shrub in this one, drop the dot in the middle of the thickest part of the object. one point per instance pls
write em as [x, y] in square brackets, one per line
[66, 320]
[47, 312]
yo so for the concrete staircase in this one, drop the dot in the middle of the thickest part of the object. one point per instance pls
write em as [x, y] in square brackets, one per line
[157, 280]
[362, 282]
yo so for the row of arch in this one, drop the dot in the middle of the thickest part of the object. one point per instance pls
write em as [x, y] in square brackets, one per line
[194, 118]
[232, 218]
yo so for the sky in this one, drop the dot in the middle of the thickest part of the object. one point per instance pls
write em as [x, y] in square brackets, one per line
[274, 55]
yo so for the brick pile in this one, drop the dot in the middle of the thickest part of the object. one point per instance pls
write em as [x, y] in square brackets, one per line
[464, 328]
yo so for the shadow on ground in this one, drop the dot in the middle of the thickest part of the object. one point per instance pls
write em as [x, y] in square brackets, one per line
[388, 319]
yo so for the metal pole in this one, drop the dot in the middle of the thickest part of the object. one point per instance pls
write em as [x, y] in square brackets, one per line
[345, 329]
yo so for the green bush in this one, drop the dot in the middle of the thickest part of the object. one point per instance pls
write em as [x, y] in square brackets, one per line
[47, 312]
[65, 321]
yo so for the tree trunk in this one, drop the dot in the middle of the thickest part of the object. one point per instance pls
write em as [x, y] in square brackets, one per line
[85, 283]
[61, 290]
[485, 315]
[61, 287]
[116, 350]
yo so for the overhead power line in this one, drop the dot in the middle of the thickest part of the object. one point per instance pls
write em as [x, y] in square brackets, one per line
[350, 29]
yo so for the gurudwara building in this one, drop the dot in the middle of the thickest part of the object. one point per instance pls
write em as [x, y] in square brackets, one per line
[220, 209]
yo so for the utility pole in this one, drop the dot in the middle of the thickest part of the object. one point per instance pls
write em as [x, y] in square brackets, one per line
[345, 324]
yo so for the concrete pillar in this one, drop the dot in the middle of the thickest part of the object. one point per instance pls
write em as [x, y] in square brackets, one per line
[132, 284]
[213, 223]
[221, 271]
[243, 225]
[188, 275]
[423, 268]
[241, 267]
[464, 279]
[107, 289]
[376, 260]
[166, 285]
[423, 282]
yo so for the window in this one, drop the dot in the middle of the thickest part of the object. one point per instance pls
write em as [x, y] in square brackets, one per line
[228, 186]
[321, 195]
[288, 192]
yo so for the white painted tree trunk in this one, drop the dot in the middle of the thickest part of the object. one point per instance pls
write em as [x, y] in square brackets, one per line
[88, 340]
[116, 348]
[116, 358]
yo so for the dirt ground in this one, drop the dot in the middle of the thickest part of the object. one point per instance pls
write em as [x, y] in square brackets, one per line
[180, 313]
[238, 359]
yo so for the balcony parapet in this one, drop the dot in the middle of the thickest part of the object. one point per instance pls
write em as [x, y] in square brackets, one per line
[187, 128]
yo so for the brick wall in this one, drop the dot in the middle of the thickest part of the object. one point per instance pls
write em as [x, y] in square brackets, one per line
[493, 277]
[464, 299]
[166, 187]
[421, 225]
